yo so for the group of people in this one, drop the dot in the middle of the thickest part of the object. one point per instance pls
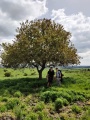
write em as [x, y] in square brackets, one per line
[51, 74]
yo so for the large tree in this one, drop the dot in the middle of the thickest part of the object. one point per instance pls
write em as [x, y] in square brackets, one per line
[37, 43]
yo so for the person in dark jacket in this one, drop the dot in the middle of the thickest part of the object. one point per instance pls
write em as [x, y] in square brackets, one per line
[50, 76]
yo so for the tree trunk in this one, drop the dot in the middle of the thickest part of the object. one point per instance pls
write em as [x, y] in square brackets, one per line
[40, 74]
[40, 71]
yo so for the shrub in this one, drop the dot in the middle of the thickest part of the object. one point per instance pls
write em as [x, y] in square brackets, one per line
[28, 98]
[67, 96]
[54, 96]
[17, 111]
[34, 73]
[76, 109]
[64, 116]
[46, 96]
[86, 115]
[32, 116]
[12, 103]
[17, 94]
[79, 98]
[3, 108]
[5, 70]
[65, 102]
[20, 113]
[41, 115]
[39, 106]
[7, 74]
[4, 99]
[58, 104]
[25, 74]
[6, 93]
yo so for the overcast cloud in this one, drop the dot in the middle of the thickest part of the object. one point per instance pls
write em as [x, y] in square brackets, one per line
[74, 15]
[78, 25]
[12, 12]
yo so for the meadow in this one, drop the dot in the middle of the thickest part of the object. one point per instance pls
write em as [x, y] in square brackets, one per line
[24, 97]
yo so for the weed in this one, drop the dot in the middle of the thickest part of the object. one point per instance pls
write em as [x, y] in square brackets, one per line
[32, 116]
[17, 94]
[25, 74]
[58, 104]
[46, 96]
[76, 109]
[7, 74]
[20, 113]
[64, 116]
[86, 115]
[39, 107]
[41, 115]
[5, 70]
[3, 108]
[12, 103]
[4, 99]
[65, 102]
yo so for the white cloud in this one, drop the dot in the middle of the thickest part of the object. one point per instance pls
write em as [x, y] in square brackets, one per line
[23, 9]
[86, 58]
[79, 26]
[12, 12]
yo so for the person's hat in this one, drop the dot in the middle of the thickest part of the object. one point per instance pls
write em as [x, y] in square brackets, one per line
[57, 68]
[51, 66]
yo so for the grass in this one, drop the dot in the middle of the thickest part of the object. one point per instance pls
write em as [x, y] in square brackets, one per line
[24, 97]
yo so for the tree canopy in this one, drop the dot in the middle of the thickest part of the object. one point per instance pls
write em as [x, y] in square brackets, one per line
[37, 43]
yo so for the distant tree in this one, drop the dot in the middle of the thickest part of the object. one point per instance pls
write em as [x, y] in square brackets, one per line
[37, 43]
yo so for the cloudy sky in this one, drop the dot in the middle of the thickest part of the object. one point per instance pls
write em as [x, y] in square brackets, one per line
[74, 15]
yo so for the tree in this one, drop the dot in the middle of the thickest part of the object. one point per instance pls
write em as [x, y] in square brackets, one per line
[37, 43]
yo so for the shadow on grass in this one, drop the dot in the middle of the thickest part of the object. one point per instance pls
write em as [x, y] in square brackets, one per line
[24, 85]
[69, 80]
[28, 85]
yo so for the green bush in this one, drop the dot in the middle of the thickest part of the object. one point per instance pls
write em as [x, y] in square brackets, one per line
[79, 98]
[65, 102]
[64, 116]
[67, 96]
[5, 70]
[58, 104]
[32, 116]
[4, 99]
[46, 96]
[12, 103]
[17, 110]
[76, 109]
[17, 94]
[54, 96]
[6, 93]
[39, 107]
[34, 73]
[25, 74]
[20, 113]
[3, 108]
[7, 74]
[41, 115]
[86, 115]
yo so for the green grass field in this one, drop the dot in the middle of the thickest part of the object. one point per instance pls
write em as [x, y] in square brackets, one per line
[24, 97]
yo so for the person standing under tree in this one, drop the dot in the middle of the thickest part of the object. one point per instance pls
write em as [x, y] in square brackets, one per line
[58, 76]
[50, 76]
